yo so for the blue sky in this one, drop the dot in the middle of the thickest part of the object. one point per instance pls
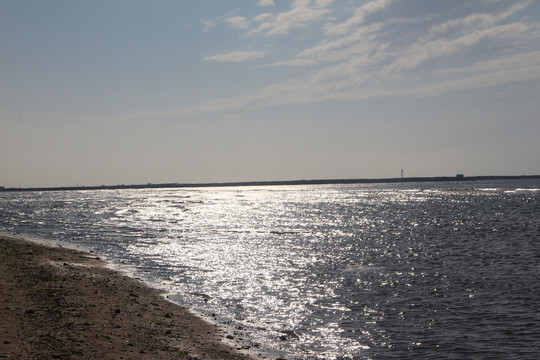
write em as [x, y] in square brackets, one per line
[122, 92]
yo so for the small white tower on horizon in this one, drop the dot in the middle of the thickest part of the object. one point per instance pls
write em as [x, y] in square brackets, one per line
[402, 173]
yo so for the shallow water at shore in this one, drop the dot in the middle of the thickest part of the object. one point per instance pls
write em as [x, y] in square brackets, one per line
[68, 305]
[439, 270]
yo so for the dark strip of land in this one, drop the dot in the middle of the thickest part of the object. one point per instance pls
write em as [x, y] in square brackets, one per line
[58, 303]
[274, 183]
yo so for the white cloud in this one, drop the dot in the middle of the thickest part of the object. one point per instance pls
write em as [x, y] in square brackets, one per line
[266, 3]
[420, 53]
[208, 24]
[301, 13]
[263, 16]
[292, 62]
[237, 56]
[312, 90]
[518, 61]
[492, 78]
[341, 82]
[359, 43]
[390, 48]
[237, 22]
[358, 18]
[379, 43]
[473, 21]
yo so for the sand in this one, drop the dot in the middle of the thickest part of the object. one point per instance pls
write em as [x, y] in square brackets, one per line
[57, 303]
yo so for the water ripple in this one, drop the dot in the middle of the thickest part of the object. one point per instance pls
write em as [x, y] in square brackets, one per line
[336, 271]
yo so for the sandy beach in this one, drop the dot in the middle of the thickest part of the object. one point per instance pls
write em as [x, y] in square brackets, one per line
[58, 303]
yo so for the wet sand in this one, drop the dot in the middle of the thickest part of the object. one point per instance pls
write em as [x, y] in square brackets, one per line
[57, 303]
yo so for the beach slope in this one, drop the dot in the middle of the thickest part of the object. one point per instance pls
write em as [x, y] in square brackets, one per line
[57, 303]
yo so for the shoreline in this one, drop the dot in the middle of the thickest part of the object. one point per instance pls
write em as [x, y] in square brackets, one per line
[457, 178]
[60, 303]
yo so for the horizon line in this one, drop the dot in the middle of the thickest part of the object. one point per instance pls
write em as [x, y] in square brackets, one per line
[457, 177]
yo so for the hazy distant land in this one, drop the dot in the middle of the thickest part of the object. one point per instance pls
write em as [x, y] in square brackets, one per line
[458, 177]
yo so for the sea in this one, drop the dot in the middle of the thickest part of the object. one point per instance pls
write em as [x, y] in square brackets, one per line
[427, 270]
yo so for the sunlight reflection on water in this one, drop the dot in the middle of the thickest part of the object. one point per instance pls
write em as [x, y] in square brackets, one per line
[334, 271]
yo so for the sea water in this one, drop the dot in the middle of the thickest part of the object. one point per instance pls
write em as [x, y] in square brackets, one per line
[444, 270]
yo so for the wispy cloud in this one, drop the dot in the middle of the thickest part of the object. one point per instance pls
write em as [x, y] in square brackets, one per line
[300, 14]
[266, 3]
[208, 24]
[358, 18]
[237, 56]
[496, 76]
[237, 22]
[420, 53]
[318, 87]
[519, 61]
[389, 48]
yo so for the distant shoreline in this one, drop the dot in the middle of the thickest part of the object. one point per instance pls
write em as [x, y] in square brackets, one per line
[277, 183]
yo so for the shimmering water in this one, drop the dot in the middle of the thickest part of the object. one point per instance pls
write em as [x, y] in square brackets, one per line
[432, 270]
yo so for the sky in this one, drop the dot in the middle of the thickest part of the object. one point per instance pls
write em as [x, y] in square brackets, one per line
[133, 92]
